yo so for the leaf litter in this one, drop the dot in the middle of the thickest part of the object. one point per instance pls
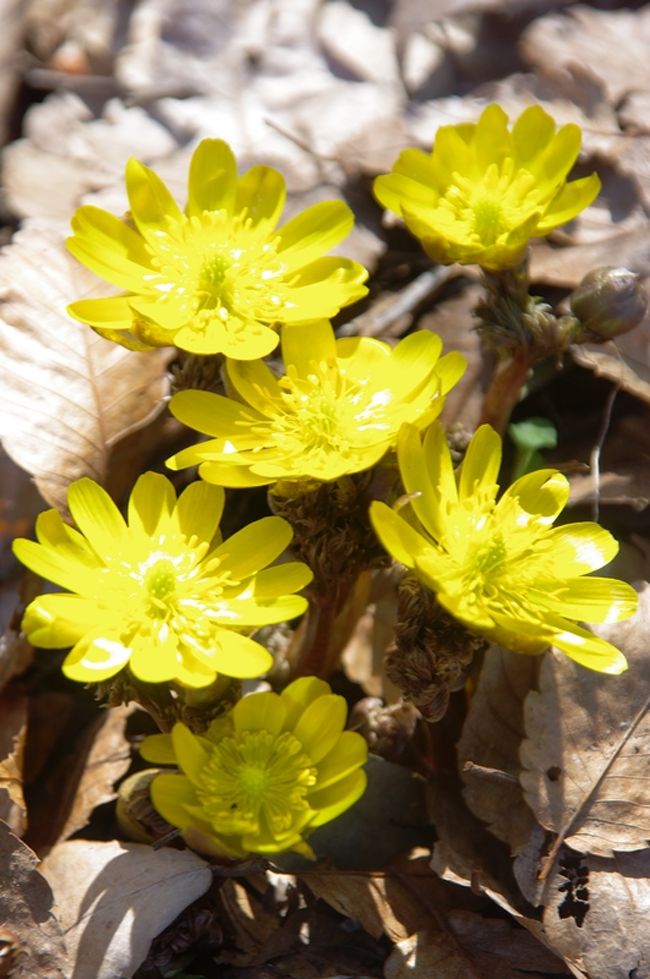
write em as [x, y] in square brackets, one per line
[517, 841]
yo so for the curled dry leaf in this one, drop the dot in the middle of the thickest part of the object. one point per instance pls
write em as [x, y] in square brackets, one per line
[68, 395]
[596, 914]
[114, 898]
[588, 738]
[31, 935]
[13, 711]
[488, 751]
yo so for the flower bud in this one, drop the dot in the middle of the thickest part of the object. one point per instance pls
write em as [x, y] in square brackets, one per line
[608, 302]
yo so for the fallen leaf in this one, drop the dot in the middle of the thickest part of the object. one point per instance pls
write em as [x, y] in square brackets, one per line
[597, 914]
[13, 711]
[613, 44]
[395, 903]
[69, 395]
[625, 361]
[88, 761]
[588, 737]
[114, 898]
[472, 946]
[31, 933]
[488, 751]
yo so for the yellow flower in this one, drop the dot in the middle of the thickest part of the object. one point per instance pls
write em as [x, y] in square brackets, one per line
[337, 410]
[219, 277]
[500, 567]
[162, 594]
[260, 778]
[484, 190]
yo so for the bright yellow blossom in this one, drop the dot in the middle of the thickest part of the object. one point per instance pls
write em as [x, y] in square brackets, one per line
[218, 277]
[337, 409]
[274, 768]
[500, 567]
[485, 190]
[162, 593]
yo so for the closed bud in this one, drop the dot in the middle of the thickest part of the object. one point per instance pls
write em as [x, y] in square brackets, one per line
[608, 302]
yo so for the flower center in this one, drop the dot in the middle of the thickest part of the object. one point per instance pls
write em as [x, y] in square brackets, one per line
[160, 580]
[488, 218]
[217, 267]
[255, 782]
[316, 415]
[489, 555]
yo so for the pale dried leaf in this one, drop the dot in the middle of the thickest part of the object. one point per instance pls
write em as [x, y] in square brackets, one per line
[585, 774]
[364, 48]
[114, 898]
[488, 751]
[13, 729]
[596, 914]
[30, 929]
[613, 46]
[69, 395]
[79, 154]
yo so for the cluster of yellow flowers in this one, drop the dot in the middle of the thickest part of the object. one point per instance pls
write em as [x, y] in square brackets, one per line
[163, 596]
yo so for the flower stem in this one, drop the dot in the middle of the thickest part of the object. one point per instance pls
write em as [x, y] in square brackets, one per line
[327, 627]
[505, 390]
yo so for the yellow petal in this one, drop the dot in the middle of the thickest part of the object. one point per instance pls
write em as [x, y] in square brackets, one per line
[212, 180]
[320, 725]
[112, 313]
[335, 799]
[152, 206]
[158, 748]
[151, 503]
[302, 346]
[171, 795]
[95, 658]
[569, 202]
[284, 579]
[261, 193]
[190, 753]
[313, 232]
[239, 656]
[480, 467]
[253, 547]
[260, 712]
[199, 510]
[579, 548]
[299, 694]
[96, 516]
[349, 752]
[400, 540]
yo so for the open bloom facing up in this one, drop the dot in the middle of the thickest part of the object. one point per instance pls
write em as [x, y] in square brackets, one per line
[272, 769]
[500, 567]
[485, 190]
[162, 593]
[218, 277]
[337, 410]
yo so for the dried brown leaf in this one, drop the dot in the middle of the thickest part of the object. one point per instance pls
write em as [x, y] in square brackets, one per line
[625, 361]
[31, 934]
[85, 764]
[613, 46]
[585, 758]
[488, 751]
[472, 947]
[114, 898]
[596, 914]
[13, 729]
[69, 396]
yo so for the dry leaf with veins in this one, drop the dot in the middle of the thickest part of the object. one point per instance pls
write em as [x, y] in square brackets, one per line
[585, 758]
[68, 396]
